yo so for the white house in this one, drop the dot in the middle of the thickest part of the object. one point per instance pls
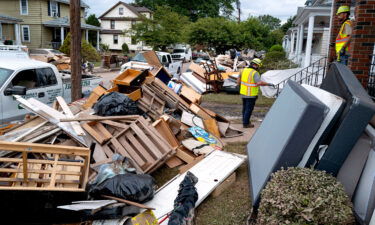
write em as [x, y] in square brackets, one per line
[308, 41]
[116, 20]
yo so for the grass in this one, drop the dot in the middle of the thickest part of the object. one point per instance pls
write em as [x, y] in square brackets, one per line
[224, 98]
[230, 207]
[233, 205]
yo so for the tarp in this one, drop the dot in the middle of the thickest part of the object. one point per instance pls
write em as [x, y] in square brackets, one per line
[284, 135]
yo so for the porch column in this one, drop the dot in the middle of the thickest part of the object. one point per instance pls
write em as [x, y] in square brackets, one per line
[292, 42]
[17, 33]
[62, 35]
[97, 40]
[300, 40]
[310, 31]
[87, 35]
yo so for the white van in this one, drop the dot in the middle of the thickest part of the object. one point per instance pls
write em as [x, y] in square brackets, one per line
[183, 53]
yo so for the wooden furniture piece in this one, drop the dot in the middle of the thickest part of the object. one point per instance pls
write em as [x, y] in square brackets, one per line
[97, 131]
[44, 167]
[151, 104]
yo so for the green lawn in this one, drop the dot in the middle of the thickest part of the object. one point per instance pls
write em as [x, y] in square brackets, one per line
[225, 98]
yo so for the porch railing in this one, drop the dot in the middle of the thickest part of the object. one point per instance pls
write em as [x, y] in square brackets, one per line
[371, 79]
[311, 75]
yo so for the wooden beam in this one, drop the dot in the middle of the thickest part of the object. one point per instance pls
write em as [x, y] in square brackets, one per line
[76, 127]
[128, 202]
[24, 166]
[100, 118]
[75, 49]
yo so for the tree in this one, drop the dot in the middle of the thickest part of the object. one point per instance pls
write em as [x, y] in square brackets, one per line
[92, 20]
[289, 23]
[218, 33]
[164, 29]
[88, 52]
[194, 9]
[254, 35]
[270, 21]
[125, 48]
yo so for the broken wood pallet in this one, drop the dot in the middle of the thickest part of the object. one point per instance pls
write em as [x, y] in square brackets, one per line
[44, 167]
[141, 143]
[151, 104]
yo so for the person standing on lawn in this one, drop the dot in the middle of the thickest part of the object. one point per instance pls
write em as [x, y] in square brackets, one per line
[249, 82]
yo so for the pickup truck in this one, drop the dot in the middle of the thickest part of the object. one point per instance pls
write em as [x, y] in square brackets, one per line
[182, 53]
[31, 78]
[139, 62]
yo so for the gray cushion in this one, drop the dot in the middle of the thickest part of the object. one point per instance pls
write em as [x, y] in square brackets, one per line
[364, 197]
[284, 135]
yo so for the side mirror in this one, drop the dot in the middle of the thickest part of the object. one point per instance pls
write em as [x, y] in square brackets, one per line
[16, 90]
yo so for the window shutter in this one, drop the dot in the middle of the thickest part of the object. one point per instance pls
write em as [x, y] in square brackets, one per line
[49, 8]
[58, 9]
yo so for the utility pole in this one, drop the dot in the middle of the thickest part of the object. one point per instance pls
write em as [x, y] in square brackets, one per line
[238, 3]
[75, 49]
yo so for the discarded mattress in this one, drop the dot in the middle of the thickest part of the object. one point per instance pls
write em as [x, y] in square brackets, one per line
[275, 77]
[350, 172]
[364, 197]
[189, 79]
[211, 171]
[358, 111]
[335, 105]
[284, 136]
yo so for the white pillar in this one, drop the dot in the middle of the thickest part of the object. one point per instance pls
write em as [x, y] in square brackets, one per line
[310, 31]
[62, 35]
[87, 35]
[17, 33]
[292, 43]
[97, 40]
[300, 41]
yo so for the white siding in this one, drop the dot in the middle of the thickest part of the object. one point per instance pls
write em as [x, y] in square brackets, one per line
[325, 42]
[115, 12]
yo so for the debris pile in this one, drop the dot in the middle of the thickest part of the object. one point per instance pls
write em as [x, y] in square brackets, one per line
[139, 124]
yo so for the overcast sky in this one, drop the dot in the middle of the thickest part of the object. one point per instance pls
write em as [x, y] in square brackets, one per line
[281, 9]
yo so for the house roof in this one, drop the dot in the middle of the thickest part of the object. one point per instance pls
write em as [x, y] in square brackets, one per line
[83, 4]
[5, 18]
[136, 10]
[65, 22]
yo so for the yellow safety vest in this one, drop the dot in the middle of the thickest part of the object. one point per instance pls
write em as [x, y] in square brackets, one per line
[248, 85]
[342, 39]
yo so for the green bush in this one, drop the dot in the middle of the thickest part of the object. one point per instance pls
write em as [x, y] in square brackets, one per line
[125, 49]
[276, 48]
[88, 52]
[304, 196]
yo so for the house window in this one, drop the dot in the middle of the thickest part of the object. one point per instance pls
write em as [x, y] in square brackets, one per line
[121, 11]
[54, 8]
[112, 24]
[24, 7]
[115, 39]
[25, 33]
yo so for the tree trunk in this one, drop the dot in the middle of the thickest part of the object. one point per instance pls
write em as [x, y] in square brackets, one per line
[75, 49]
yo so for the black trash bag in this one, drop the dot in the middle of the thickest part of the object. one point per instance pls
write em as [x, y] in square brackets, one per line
[132, 187]
[184, 204]
[115, 104]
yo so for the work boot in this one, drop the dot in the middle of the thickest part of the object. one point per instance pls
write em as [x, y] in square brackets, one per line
[248, 125]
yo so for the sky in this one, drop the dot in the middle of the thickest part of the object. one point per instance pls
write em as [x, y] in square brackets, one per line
[282, 9]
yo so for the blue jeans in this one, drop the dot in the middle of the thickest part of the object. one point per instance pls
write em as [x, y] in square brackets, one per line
[247, 109]
[344, 59]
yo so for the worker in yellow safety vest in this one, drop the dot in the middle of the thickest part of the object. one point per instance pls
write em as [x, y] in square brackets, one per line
[344, 35]
[249, 82]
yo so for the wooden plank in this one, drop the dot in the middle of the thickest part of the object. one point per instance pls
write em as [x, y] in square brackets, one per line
[127, 153]
[115, 124]
[99, 138]
[174, 162]
[152, 59]
[107, 151]
[7, 170]
[41, 161]
[196, 109]
[128, 202]
[139, 150]
[54, 171]
[224, 185]
[76, 126]
[197, 69]
[94, 96]
[103, 131]
[185, 155]
[100, 118]
[165, 131]
[146, 141]
[37, 180]
[191, 95]
[43, 148]
[24, 161]
[42, 189]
